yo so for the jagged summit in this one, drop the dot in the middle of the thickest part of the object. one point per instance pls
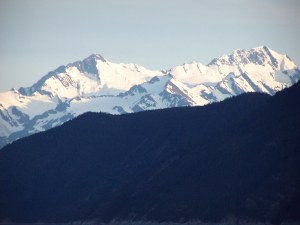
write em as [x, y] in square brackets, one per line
[260, 56]
[264, 47]
[97, 57]
[96, 84]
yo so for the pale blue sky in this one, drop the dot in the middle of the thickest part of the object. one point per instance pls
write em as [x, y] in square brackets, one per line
[38, 35]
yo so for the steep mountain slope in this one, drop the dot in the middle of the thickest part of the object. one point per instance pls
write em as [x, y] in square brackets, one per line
[237, 159]
[97, 85]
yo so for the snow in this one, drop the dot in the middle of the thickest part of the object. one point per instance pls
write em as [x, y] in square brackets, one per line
[30, 105]
[123, 76]
[283, 78]
[158, 86]
[107, 86]
[6, 129]
[195, 73]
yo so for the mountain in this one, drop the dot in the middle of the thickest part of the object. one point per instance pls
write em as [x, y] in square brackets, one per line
[237, 160]
[97, 85]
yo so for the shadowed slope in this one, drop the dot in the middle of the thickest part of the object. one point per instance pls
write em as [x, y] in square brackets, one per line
[238, 158]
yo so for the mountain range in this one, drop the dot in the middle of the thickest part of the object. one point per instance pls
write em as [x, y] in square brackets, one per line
[234, 162]
[98, 85]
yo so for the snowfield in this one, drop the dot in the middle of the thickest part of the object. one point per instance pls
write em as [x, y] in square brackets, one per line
[98, 85]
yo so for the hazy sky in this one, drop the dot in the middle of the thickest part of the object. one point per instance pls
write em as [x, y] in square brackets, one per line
[37, 36]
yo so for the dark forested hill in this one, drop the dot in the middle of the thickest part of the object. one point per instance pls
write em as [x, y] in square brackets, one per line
[235, 159]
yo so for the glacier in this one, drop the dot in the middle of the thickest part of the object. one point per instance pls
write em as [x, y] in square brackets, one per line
[98, 85]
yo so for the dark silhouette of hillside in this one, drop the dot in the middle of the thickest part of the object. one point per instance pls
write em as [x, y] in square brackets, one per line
[235, 159]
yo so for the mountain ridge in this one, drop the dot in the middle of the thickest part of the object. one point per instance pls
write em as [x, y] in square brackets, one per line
[235, 159]
[96, 84]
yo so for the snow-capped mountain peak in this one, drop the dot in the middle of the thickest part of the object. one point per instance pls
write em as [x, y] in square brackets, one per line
[262, 56]
[96, 84]
[91, 76]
